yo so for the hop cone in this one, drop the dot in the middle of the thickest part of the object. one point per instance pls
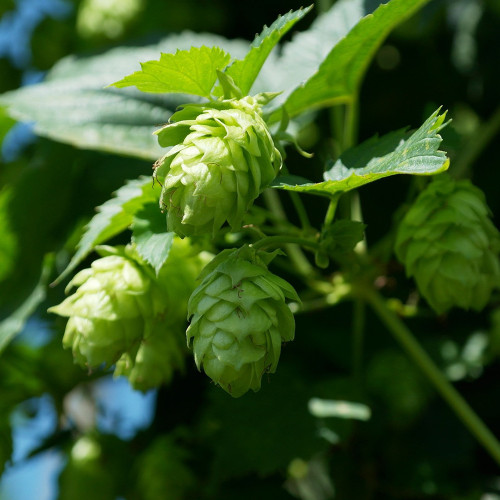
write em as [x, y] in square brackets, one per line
[239, 319]
[449, 244]
[222, 157]
[108, 310]
[155, 359]
[121, 313]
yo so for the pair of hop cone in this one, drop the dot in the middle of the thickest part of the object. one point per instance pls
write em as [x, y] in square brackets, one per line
[123, 315]
[222, 157]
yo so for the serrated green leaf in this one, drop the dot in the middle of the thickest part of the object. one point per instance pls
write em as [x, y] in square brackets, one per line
[113, 217]
[325, 65]
[150, 235]
[192, 71]
[394, 153]
[12, 325]
[72, 106]
[245, 71]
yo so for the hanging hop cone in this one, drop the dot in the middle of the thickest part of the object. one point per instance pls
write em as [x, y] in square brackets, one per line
[154, 361]
[450, 246]
[121, 312]
[222, 158]
[239, 319]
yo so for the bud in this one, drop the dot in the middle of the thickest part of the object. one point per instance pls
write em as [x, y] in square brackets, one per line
[450, 246]
[222, 158]
[239, 319]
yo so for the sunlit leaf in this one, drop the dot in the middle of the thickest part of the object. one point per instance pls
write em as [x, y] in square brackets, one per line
[192, 71]
[245, 71]
[326, 64]
[394, 153]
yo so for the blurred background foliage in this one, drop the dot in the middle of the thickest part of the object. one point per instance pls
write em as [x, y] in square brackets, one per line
[64, 433]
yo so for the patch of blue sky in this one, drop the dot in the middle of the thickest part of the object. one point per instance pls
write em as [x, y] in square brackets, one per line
[121, 410]
[17, 26]
[36, 477]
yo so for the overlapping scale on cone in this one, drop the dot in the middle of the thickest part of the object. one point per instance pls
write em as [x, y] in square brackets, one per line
[221, 159]
[239, 319]
[448, 243]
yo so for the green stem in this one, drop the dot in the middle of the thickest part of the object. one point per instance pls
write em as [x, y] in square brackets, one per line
[476, 144]
[358, 330]
[332, 208]
[276, 241]
[301, 210]
[296, 255]
[403, 335]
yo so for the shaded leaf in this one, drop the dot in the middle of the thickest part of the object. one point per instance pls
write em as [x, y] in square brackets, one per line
[342, 236]
[12, 325]
[394, 153]
[192, 71]
[149, 233]
[113, 217]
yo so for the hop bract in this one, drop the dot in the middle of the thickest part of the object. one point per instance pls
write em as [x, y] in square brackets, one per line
[450, 246]
[239, 319]
[222, 157]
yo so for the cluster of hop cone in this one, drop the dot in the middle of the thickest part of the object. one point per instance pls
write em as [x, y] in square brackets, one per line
[221, 157]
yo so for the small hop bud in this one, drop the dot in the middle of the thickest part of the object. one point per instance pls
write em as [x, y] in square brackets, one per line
[222, 158]
[449, 244]
[239, 319]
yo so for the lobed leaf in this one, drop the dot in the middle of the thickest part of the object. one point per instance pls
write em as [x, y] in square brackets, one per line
[245, 71]
[149, 233]
[325, 65]
[394, 153]
[112, 218]
[192, 71]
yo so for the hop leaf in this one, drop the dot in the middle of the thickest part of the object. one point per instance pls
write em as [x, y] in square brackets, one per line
[239, 320]
[222, 157]
[449, 244]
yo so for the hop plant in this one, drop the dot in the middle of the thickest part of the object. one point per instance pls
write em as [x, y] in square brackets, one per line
[239, 319]
[450, 246]
[121, 313]
[222, 157]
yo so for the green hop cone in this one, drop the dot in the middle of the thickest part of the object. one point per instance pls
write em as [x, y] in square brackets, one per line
[223, 156]
[154, 360]
[239, 319]
[450, 246]
[121, 310]
[106, 313]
